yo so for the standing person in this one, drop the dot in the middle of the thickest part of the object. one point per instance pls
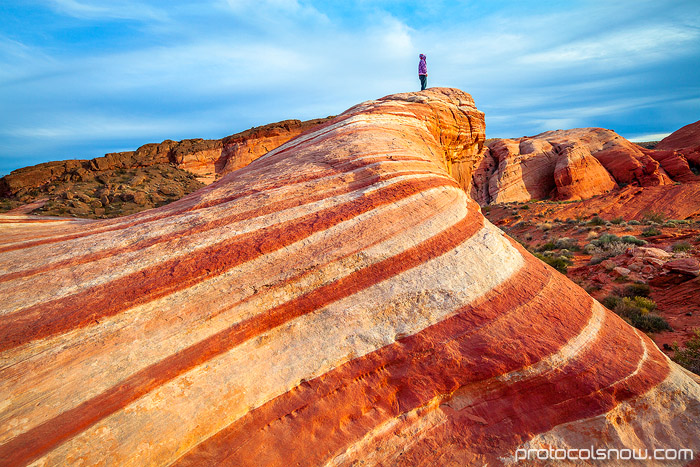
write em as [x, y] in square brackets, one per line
[422, 72]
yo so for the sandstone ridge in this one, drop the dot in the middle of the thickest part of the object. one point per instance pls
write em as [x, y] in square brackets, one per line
[573, 165]
[686, 137]
[339, 300]
[207, 159]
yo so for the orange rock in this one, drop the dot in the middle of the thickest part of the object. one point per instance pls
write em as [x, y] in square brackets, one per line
[686, 137]
[340, 300]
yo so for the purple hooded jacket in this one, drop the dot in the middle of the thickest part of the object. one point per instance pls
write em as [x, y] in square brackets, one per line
[422, 67]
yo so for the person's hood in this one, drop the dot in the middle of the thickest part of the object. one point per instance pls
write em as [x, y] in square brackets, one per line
[422, 57]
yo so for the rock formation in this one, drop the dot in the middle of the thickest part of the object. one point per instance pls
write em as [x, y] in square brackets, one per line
[339, 300]
[564, 165]
[208, 159]
[686, 137]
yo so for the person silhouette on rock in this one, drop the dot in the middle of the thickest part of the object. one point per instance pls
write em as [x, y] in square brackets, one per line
[422, 72]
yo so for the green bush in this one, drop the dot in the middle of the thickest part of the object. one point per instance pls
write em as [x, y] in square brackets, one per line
[611, 301]
[634, 222]
[568, 244]
[681, 246]
[548, 246]
[689, 356]
[606, 239]
[651, 216]
[524, 207]
[637, 312]
[560, 263]
[616, 221]
[650, 232]
[631, 239]
[597, 221]
[636, 290]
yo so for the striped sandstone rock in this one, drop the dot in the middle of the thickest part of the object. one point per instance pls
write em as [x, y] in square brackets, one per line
[339, 300]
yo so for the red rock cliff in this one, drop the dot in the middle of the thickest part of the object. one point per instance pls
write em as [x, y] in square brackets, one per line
[339, 300]
[208, 159]
[563, 164]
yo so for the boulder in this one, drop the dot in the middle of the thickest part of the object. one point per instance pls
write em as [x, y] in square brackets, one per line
[689, 266]
[649, 252]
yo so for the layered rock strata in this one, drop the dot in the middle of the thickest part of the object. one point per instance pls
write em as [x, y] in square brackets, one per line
[564, 165]
[339, 300]
[208, 159]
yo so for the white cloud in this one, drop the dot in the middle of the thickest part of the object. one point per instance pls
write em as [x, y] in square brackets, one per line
[631, 47]
[648, 137]
[215, 67]
[108, 9]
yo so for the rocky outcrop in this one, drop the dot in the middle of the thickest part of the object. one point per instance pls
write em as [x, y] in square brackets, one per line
[338, 300]
[686, 137]
[562, 165]
[208, 159]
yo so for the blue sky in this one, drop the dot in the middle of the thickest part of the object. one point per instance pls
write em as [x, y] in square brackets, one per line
[80, 78]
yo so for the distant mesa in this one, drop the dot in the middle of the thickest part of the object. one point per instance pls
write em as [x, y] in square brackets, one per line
[340, 301]
[123, 183]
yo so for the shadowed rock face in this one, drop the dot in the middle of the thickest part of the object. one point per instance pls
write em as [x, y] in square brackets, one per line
[340, 299]
[563, 164]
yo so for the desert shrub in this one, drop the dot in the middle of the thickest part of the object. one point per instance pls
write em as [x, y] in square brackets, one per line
[589, 248]
[486, 209]
[568, 244]
[548, 246]
[636, 290]
[689, 356]
[606, 239]
[597, 221]
[611, 301]
[524, 207]
[600, 253]
[652, 216]
[681, 246]
[544, 226]
[616, 221]
[591, 235]
[560, 263]
[571, 221]
[638, 312]
[634, 222]
[650, 232]
[631, 239]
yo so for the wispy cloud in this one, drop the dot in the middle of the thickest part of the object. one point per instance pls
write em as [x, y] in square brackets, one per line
[107, 9]
[104, 74]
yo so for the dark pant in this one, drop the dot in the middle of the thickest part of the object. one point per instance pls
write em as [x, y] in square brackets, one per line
[423, 82]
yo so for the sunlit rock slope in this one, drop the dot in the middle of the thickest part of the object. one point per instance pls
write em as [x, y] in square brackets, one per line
[339, 300]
